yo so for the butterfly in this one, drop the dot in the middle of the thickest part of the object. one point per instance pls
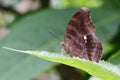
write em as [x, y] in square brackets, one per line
[80, 39]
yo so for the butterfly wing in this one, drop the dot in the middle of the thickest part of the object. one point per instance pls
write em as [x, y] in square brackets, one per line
[80, 37]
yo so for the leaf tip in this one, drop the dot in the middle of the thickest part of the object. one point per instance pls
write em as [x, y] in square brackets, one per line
[13, 49]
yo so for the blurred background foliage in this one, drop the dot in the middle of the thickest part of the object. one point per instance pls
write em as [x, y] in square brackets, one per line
[40, 25]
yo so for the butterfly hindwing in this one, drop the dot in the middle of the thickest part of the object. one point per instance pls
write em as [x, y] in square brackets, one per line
[75, 43]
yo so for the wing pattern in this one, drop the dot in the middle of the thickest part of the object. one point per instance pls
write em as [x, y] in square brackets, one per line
[80, 39]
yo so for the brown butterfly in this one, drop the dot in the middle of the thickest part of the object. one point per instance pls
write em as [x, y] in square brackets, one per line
[80, 39]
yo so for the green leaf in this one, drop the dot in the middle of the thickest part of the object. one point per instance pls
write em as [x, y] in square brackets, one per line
[112, 4]
[107, 24]
[32, 32]
[102, 70]
[115, 58]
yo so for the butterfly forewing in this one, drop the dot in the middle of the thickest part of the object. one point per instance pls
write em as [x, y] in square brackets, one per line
[80, 39]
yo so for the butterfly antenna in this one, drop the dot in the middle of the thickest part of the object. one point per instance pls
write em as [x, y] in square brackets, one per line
[52, 33]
